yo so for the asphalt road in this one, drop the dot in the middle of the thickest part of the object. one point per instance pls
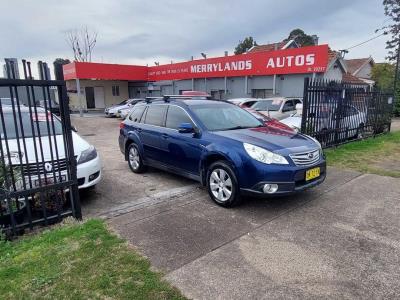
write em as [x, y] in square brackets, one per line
[339, 240]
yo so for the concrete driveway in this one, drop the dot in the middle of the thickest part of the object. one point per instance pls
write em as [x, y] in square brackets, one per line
[339, 240]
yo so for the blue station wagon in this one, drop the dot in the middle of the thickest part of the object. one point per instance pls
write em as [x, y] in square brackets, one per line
[222, 146]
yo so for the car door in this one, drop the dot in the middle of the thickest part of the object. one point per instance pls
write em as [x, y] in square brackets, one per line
[133, 124]
[183, 149]
[151, 132]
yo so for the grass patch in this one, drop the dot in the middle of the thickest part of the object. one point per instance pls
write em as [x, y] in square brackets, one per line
[380, 155]
[78, 261]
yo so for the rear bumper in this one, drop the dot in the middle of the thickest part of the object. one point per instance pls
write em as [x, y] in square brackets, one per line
[288, 187]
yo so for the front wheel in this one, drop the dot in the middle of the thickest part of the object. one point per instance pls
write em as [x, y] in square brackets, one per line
[222, 184]
[360, 132]
[135, 160]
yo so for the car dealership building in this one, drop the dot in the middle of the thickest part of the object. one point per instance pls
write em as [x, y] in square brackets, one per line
[265, 70]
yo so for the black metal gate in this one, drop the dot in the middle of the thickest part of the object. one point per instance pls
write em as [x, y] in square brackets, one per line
[337, 112]
[38, 182]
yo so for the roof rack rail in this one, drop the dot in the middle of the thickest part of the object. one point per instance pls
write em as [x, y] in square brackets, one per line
[148, 99]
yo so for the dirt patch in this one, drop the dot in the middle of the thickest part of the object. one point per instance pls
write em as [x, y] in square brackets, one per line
[388, 165]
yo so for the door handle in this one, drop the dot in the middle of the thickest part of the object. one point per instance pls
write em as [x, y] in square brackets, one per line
[165, 136]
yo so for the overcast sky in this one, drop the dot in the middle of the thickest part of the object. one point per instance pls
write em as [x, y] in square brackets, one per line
[137, 31]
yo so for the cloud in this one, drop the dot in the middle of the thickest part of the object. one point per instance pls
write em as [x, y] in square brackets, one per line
[134, 31]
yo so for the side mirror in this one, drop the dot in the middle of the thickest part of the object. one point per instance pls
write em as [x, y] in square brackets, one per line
[73, 128]
[186, 128]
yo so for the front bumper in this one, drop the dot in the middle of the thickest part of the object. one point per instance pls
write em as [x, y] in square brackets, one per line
[109, 114]
[89, 173]
[296, 182]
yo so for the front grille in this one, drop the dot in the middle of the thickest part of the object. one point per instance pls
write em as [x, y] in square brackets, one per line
[39, 168]
[306, 158]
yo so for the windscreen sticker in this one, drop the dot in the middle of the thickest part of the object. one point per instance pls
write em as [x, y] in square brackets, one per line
[40, 117]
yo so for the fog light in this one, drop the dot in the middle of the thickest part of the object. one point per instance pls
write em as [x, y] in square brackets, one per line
[270, 188]
[94, 176]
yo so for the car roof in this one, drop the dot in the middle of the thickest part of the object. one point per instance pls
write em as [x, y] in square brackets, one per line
[23, 109]
[184, 101]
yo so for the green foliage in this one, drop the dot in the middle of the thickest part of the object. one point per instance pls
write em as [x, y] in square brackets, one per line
[62, 61]
[392, 10]
[301, 38]
[245, 45]
[78, 261]
[383, 75]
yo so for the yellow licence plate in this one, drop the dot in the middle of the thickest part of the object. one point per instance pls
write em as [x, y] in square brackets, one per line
[313, 173]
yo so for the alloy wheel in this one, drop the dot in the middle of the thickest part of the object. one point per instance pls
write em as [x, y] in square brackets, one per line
[134, 158]
[221, 184]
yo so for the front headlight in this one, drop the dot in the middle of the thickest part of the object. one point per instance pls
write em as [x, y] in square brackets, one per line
[88, 155]
[264, 156]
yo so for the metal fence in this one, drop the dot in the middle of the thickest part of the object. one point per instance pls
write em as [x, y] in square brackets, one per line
[337, 112]
[38, 183]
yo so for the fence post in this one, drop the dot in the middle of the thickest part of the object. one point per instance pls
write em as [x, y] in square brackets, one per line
[305, 105]
[65, 117]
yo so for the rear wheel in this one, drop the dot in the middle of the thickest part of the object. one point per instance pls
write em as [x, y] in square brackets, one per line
[222, 184]
[134, 159]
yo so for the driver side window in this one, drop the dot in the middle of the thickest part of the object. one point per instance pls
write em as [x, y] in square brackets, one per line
[288, 106]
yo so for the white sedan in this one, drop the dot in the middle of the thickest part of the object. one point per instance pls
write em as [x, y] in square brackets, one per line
[89, 164]
[113, 111]
[352, 121]
[276, 107]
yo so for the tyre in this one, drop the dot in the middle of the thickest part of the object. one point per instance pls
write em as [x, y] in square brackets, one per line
[135, 160]
[222, 184]
[360, 132]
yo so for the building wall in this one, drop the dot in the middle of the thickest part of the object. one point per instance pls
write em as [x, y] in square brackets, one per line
[335, 72]
[107, 85]
[365, 71]
[286, 85]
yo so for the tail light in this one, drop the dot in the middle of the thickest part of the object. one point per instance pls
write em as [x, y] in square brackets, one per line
[121, 125]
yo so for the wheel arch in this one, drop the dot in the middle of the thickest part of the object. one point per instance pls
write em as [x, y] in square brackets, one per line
[210, 159]
[132, 138]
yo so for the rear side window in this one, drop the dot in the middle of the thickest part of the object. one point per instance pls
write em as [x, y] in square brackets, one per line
[176, 116]
[155, 115]
[137, 113]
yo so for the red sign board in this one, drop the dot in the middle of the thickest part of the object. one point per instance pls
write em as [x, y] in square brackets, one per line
[86, 70]
[289, 61]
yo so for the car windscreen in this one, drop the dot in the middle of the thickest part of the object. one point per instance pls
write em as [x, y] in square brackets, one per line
[123, 102]
[224, 117]
[6, 101]
[27, 121]
[270, 105]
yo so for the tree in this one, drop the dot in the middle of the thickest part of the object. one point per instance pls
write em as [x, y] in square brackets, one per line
[392, 10]
[58, 69]
[245, 45]
[61, 61]
[82, 43]
[383, 75]
[301, 38]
